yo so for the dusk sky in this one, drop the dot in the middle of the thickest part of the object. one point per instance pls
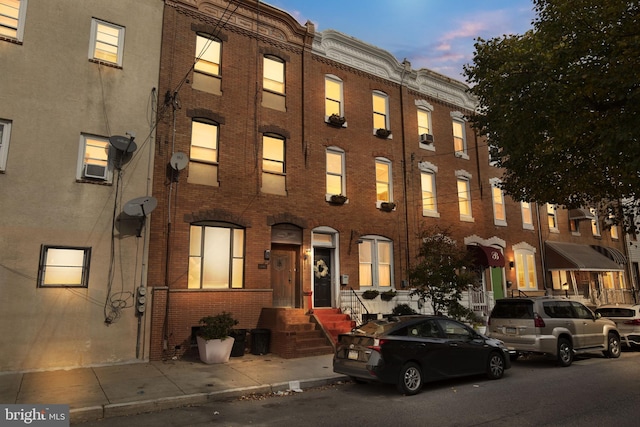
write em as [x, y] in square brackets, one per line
[434, 34]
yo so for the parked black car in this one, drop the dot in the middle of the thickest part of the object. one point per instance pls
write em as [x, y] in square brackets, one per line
[411, 350]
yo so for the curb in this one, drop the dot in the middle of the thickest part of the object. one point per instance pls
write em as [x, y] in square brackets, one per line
[111, 410]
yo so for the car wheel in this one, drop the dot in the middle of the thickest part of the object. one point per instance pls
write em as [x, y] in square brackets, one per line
[614, 348]
[410, 380]
[565, 352]
[495, 366]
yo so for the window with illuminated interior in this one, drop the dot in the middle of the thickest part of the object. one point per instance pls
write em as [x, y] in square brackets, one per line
[64, 266]
[216, 256]
[376, 261]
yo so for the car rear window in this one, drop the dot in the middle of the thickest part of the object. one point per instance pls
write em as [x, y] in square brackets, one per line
[616, 312]
[513, 310]
[376, 327]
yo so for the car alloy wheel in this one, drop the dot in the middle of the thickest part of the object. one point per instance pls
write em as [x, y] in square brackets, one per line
[565, 352]
[613, 349]
[410, 381]
[496, 366]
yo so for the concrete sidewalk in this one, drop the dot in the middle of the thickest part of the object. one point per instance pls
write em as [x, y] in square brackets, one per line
[111, 391]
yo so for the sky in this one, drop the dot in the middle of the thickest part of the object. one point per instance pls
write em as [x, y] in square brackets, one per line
[434, 34]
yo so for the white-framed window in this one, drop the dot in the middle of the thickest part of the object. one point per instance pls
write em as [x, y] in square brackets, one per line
[525, 264]
[459, 135]
[527, 215]
[552, 218]
[497, 197]
[384, 185]
[216, 256]
[463, 182]
[428, 189]
[335, 171]
[595, 225]
[107, 42]
[376, 261]
[203, 157]
[380, 111]
[333, 96]
[208, 56]
[574, 227]
[425, 131]
[274, 72]
[494, 150]
[613, 230]
[95, 160]
[273, 164]
[12, 16]
[5, 136]
[64, 266]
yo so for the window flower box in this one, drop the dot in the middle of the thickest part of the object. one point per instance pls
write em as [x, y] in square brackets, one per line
[338, 199]
[387, 206]
[336, 120]
[383, 133]
[370, 294]
[388, 295]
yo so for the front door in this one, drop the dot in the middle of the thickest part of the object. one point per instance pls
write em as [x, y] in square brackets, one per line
[496, 282]
[283, 277]
[322, 274]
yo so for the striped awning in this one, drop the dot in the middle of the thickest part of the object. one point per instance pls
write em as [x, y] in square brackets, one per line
[611, 253]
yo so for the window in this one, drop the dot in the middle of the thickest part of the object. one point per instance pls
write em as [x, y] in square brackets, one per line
[64, 266]
[333, 96]
[574, 227]
[5, 134]
[206, 71]
[95, 158]
[273, 74]
[203, 160]
[497, 195]
[383, 180]
[376, 261]
[273, 165]
[335, 171]
[216, 256]
[380, 111]
[464, 195]
[525, 266]
[614, 227]
[207, 55]
[595, 226]
[107, 42]
[459, 138]
[494, 154]
[527, 215]
[12, 17]
[428, 187]
[552, 219]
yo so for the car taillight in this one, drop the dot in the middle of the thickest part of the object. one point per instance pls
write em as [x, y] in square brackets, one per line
[377, 345]
[634, 322]
[537, 321]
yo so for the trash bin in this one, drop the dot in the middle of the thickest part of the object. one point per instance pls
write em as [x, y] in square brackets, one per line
[239, 343]
[260, 341]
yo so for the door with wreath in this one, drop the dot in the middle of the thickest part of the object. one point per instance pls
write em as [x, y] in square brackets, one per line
[322, 277]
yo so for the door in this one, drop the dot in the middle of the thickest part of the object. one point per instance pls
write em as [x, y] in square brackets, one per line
[322, 277]
[283, 277]
[496, 282]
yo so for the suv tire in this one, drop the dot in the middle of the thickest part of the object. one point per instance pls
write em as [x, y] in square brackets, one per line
[613, 346]
[565, 352]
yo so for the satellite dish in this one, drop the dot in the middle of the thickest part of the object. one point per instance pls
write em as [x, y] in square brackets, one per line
[179, 161]
[140, 206]
[122, 143]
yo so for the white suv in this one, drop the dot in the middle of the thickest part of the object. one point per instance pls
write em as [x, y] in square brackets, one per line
[557, 327]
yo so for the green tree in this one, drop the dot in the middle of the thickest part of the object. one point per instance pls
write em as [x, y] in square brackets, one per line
[560, 105]
[442, 272]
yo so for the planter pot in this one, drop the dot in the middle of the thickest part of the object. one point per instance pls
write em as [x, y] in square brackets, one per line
[481, 329]
[338, 199]
[215, 351]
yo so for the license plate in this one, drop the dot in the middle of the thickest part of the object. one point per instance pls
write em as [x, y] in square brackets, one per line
[353, 354]
[510, 330]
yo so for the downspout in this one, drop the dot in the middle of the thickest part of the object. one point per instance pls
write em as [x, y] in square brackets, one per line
[542, 249]
[405, 64]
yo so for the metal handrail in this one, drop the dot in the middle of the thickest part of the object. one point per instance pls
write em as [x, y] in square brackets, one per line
[520, 293]
[356, 306]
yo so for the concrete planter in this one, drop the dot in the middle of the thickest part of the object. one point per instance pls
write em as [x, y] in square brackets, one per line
[215, 351]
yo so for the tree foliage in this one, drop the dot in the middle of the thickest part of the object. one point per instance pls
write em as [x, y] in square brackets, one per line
[560, 104]
[443, 270]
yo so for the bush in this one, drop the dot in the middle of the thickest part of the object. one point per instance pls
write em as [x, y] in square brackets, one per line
[403, 309]
[217, 327]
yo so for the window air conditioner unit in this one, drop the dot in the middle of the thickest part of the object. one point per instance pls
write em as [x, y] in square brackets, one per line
[426, 138]
[95, 171]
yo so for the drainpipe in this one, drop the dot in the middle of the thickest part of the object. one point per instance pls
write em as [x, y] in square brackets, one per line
[406, 67]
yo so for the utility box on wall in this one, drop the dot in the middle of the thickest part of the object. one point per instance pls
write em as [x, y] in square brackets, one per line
[344, 279]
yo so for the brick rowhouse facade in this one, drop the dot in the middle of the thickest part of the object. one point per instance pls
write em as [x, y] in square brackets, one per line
[286, 218]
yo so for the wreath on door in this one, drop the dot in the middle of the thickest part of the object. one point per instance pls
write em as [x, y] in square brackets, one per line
[321, 269]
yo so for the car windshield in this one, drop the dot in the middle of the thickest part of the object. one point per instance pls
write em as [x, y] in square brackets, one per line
[513, 310]
[616, 312]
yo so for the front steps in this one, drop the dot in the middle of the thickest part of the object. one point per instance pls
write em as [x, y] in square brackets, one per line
[334, 322]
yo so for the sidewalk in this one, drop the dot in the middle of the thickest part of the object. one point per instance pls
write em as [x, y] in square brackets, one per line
[111, 391]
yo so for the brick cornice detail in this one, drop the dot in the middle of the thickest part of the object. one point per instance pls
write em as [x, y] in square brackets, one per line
[220, 215]
[286, 218]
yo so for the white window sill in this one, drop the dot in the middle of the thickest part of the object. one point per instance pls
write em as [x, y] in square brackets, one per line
[432, 214]
[466, 218]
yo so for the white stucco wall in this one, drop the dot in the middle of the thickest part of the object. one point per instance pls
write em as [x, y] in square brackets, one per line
[52, 93]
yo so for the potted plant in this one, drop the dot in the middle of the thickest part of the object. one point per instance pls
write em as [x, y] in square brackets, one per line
[337, 120]
[338, 199]
[388, 295]
[383, 133]
[370, 294]
[214, 340]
